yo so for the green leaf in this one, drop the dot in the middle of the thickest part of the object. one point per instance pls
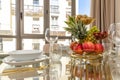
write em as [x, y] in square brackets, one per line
[70, 24]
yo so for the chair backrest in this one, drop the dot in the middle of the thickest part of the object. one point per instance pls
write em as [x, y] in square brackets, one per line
[46, 48]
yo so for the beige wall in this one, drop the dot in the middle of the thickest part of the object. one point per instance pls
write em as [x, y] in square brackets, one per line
[117, 10]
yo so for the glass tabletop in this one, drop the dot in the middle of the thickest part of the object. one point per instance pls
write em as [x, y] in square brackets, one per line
[42, 70]
[38, 71]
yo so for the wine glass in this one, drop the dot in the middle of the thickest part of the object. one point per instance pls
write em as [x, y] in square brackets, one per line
[51, 35]
[110, 33]
[55, 52]
[114, 35]
[56, 67]
[115, 74]
[115, 68]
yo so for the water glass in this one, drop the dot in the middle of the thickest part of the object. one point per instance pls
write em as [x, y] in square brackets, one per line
[53, 75]
[116, 74]
[114, 34]
[115, 70]
[115, 67]
[55, 70]
[117, 49]
[57, 67]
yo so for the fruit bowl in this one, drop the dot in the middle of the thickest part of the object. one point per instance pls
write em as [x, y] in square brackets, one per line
[87, 48]
[21, 55]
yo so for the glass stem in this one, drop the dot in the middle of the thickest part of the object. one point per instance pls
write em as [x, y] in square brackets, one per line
[51, 49]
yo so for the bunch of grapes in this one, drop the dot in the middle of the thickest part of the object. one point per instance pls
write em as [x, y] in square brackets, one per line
[100, 35]
[93, 30]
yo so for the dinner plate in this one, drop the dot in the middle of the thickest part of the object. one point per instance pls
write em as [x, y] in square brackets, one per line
[11, 61]
[20, 55]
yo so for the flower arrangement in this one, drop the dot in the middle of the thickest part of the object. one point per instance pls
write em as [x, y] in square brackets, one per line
[87, 41]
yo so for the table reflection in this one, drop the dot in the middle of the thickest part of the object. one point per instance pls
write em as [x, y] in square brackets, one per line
[45, 70]
[40, 71]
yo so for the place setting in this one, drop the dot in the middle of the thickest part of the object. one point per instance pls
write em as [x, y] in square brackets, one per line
[24, 63]
[25, 57]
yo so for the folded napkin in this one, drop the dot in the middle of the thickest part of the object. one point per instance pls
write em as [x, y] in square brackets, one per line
[20, 72]
[4, 66]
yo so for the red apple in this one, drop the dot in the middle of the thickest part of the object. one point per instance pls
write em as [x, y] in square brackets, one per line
[73, 44]
[78, 49]
[99, 48]
[88, 46]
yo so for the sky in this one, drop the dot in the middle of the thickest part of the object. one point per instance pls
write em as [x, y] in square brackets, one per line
[84, 7]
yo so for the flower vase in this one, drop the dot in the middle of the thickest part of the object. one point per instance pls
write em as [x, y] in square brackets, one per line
[86, 67]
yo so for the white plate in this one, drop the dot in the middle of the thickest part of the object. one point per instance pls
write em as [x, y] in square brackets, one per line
[25, 52]
[20, 55]
[11, 61]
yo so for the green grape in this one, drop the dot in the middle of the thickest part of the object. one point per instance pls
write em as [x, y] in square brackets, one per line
[90, 36]
[93, 30]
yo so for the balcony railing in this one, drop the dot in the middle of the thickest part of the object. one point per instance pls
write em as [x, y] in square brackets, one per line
[54, 9]
[54, 26]
[0, 4]
[59, 33]
[30, 10]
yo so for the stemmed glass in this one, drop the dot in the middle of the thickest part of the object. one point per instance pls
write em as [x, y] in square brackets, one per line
[55, 67]
[51, 35]
[115, 74]
[114, 35]
[55, 49]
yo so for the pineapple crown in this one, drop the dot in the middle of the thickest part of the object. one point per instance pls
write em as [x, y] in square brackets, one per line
[77, 27]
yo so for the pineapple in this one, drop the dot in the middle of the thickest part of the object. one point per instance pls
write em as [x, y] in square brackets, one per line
[76, 28]
[90, 34]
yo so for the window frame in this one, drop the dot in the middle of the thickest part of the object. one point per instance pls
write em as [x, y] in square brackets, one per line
[0, 4]
[20, 21]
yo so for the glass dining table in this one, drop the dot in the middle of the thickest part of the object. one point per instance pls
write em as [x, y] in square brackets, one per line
[36, 70]
[42, 69]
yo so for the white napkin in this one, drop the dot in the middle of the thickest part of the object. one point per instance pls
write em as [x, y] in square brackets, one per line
[20, 76]
[4, 66]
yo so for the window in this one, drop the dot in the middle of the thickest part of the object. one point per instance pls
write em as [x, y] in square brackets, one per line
[68, 13]
[35, 5]
[23, 22]
[1, 45]
[0, 4]
[8, 25]
[83, 7]
[69, 2]
[0, 26]
[55, 0]
[54, 22]
[36, 28]
[33, 15]
[58, 14]
[54, 9]
[35, 2]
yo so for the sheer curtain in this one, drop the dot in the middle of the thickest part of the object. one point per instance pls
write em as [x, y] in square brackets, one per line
[104, 13]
